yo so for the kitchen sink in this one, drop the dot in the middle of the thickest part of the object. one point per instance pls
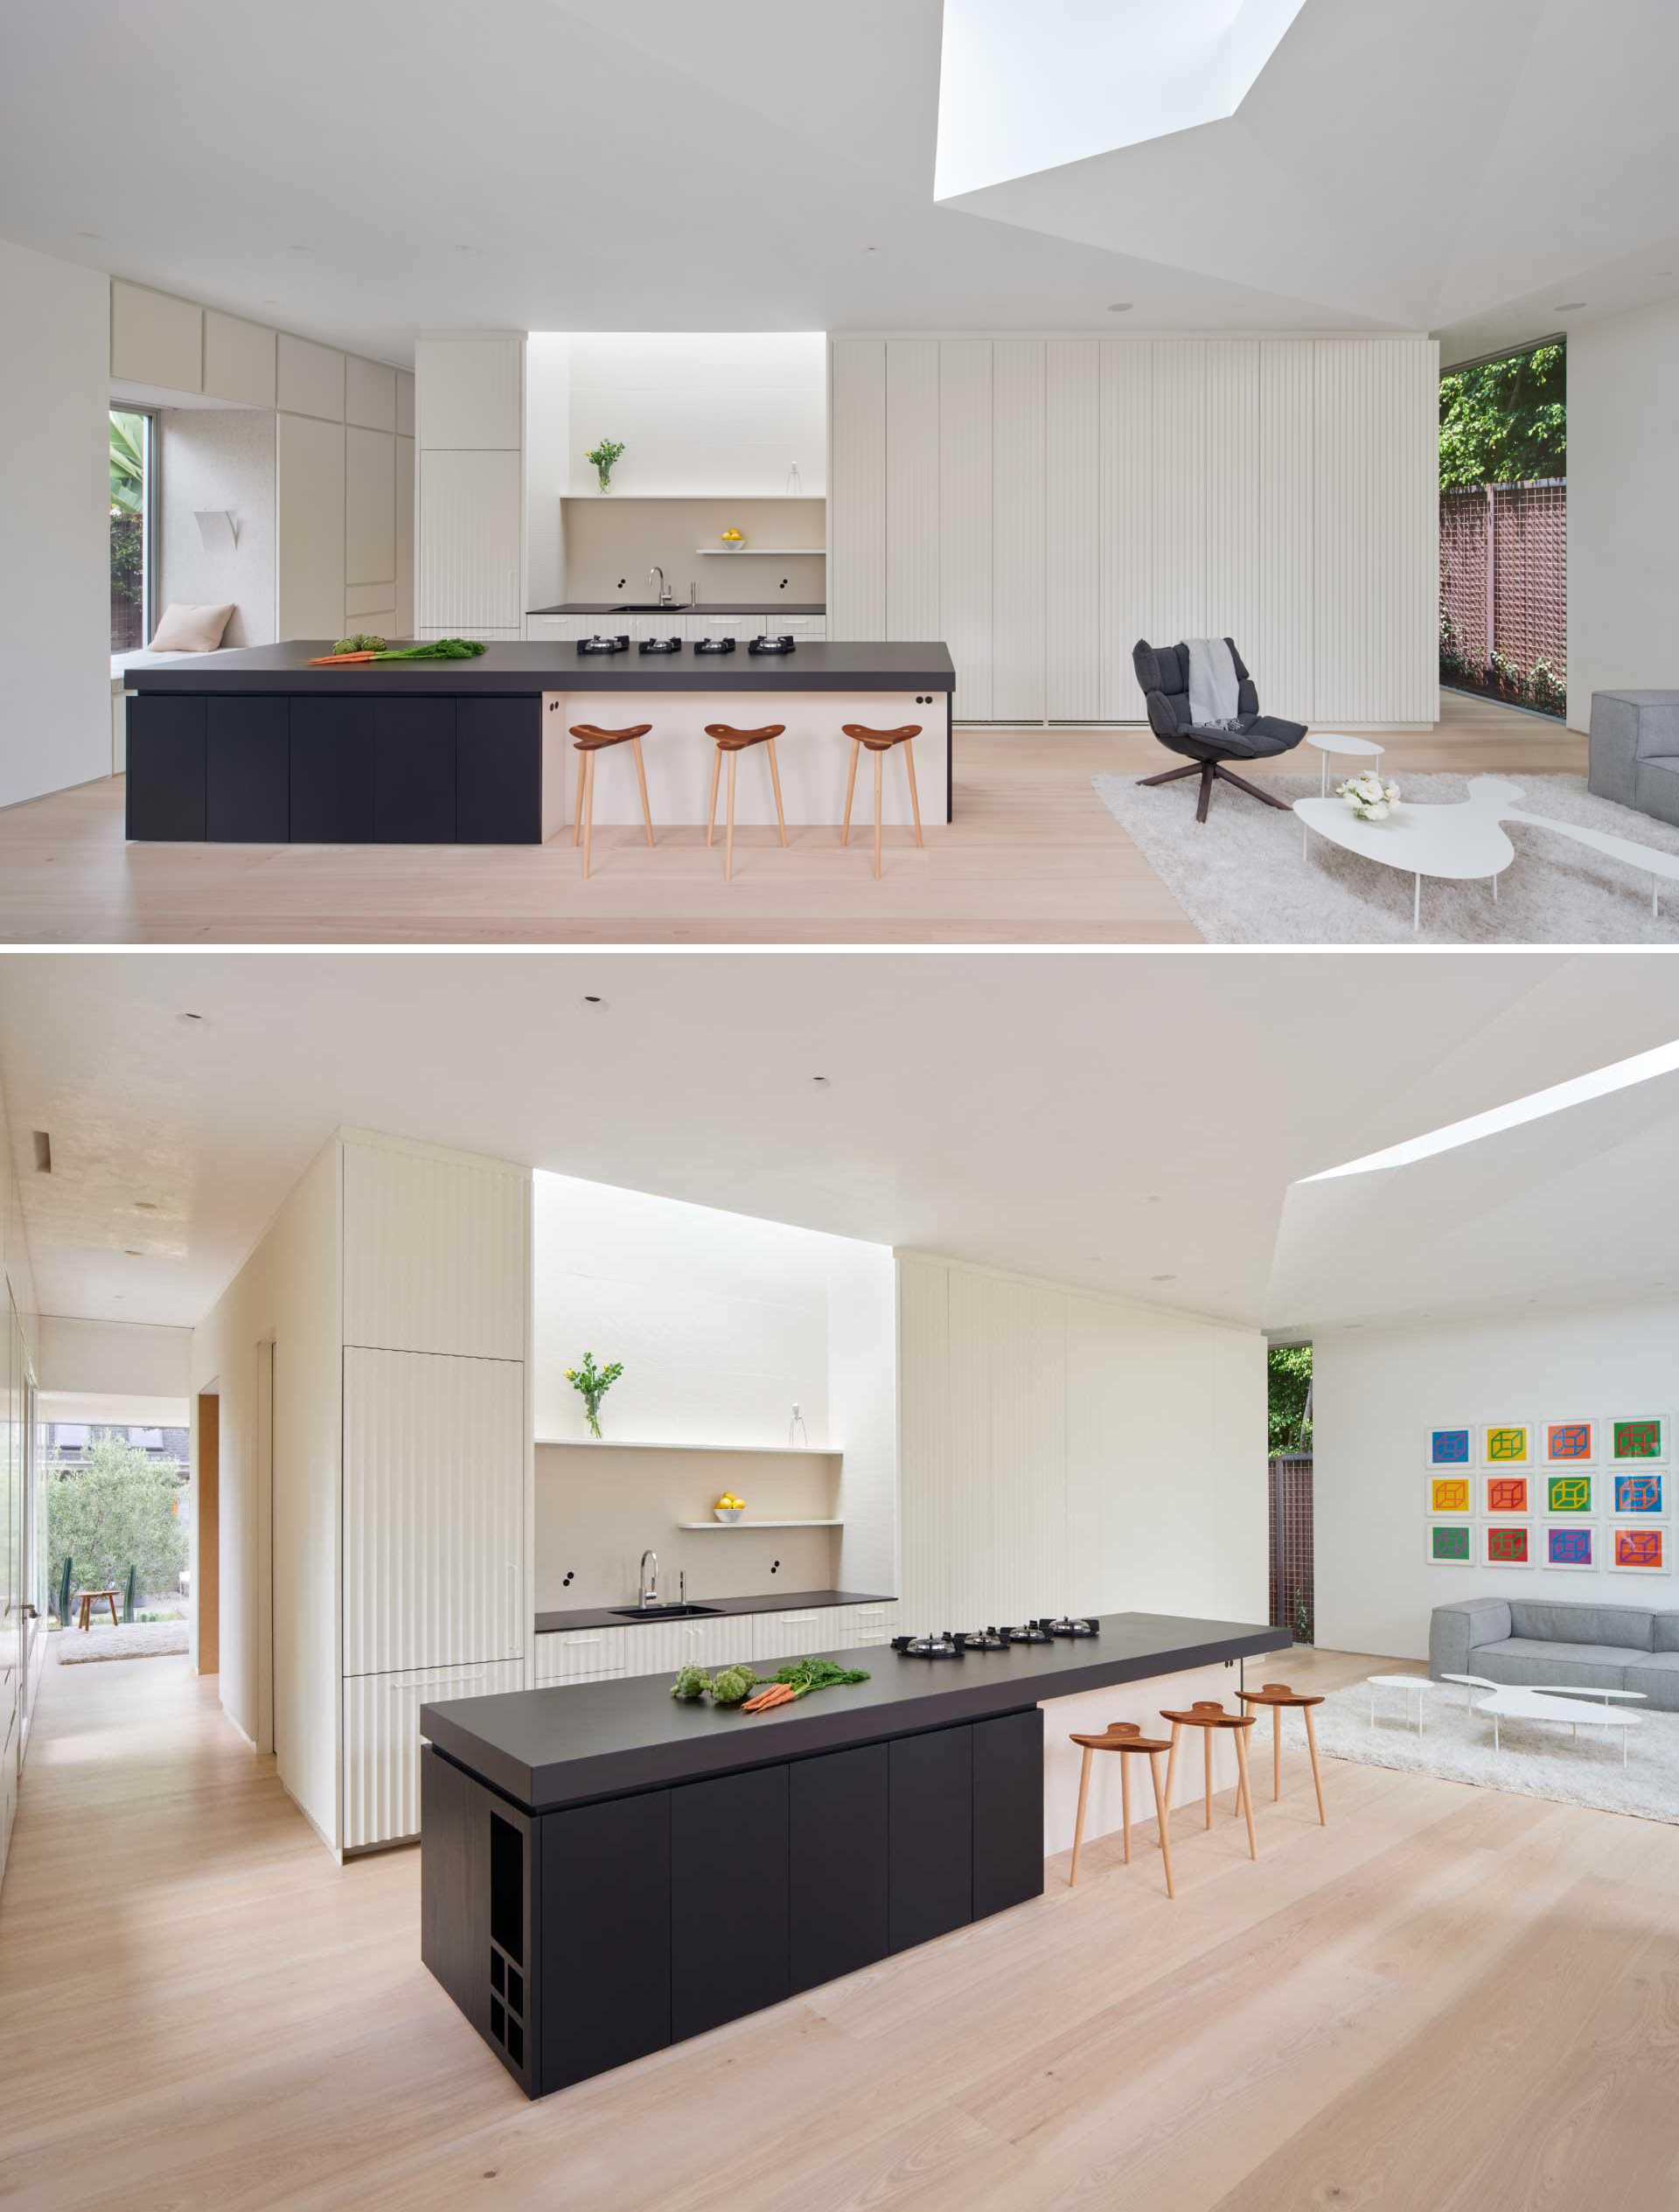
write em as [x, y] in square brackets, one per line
[658, 1612]
[646, 607]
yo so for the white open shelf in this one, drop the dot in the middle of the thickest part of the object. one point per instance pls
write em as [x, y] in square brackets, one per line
[696, 1527]
[616, 1443]
[764, 553]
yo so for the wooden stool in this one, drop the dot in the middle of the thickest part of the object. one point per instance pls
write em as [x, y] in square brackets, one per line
[1208, 1714]
[1122, 1737]
[87, 1599]
[1277, 1695]
[590, 740]
[733, 741]
[880, 742]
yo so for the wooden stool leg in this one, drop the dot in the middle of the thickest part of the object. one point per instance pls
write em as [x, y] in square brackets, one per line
[1172, 1767]
[716, 770]
[1241, 1736]
[879, 766]
[1078, 1824]
[1317, 1771]
[114, 1621]
[1207, 1746]
[577, 810]
[588, 810]
[915, 795]
[1160, 1820]
[1125, 1806]
[775, 781]
[641, 778]
[728, 849]
[1275, 1753]
[851, 785]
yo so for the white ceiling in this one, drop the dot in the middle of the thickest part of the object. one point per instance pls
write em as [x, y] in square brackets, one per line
[1104, 1119]
[363, 170]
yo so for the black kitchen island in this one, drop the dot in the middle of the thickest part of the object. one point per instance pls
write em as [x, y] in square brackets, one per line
[254, 745]
[606, 1870]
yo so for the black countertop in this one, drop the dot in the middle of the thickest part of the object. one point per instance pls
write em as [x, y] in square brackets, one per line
[556, 666]
[770, 604]
[544, 1749]
[786, 1601]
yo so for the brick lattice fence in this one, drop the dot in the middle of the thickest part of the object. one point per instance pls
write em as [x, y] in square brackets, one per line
[1291, 1540]
[1504, 591]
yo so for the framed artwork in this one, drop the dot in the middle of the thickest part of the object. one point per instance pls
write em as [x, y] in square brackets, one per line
[1502, 1495]
[1638, 1437]
[1450, 1544]
[1506, 1543]
[1507, 1444]
[1453, 1494]
[1570, 1494]
[1450, 1443]
[1568, 1443]
[1640, 1496]
[1638, 1551]
[1569, 1544]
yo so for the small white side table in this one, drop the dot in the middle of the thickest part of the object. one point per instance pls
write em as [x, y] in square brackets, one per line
[1417, 1683]
[1329, 743]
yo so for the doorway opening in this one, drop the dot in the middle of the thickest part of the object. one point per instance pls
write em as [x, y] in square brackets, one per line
[207, 1548]
[114, 1524]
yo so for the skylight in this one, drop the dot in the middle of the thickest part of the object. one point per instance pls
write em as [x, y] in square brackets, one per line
[1617, 1076]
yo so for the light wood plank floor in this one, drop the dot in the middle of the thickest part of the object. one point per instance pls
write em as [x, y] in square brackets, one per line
[1448, 2000]
[1033, 857]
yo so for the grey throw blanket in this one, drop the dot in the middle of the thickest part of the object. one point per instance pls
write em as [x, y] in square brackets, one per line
[1212, 684]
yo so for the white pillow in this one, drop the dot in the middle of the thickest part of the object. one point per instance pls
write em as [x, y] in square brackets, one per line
[192, 629]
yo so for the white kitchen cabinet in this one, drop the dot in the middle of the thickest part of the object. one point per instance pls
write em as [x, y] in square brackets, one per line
[660, 1647]
[584, 1655]
[239, 360]
[668, 622]
[310, 379]
[381, 1743]
[784, 1636]
[370, 510]
[435, 1251]
[369, 393]
[156, 338]
[808, 629]
[472, 508]
[309, 505]
[1017, 549]
[743, 628]
[860, 1625]
[560, 630]
[404, 627]
[434, 1512]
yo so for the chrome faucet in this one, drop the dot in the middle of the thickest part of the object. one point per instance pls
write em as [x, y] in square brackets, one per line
[665, 599]
[649, 1584]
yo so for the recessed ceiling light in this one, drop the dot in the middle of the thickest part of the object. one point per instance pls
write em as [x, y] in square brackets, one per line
[821, 1081]
[1162, 1278]
[189, 1016]
[146, 1205]
[1564, 306]
[303, 249]
[132, 1252]
[1153, 1198]
[871, 249]
[1119, 307]
[42, 1143]
[86, 234]
[593, 999]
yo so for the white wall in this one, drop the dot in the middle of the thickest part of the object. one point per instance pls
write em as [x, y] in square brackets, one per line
[1065, 1450]
[54, 525]
[218, 458]
[1623, 494]
[1042, 504]
[1375, 1394]
[114, 1358]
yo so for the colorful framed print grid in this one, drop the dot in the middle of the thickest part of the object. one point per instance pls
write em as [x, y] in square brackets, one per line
[1632, 1550]
[1504, 1497]
[1571, 1546]
[1452, 1497]
[1636, 1439]
[1449, 1443]
[1507, 1543]
[1637, 1493]
[1571, 1497]
[1451, 1543]
[1569, 1444]
[1508, 1443]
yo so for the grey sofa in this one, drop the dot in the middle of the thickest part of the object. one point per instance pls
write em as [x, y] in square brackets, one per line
[1536, 1640]
[1634, 751]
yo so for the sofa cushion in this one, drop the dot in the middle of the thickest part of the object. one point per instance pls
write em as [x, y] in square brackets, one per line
[1629, 1627]
[1531, 1661]
[1667, 1631]
[1658, 1677]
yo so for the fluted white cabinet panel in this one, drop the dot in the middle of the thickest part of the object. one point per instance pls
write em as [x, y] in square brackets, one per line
[405, 486]
[1178, 501]
[964, 518]
[792, 1635]
[912, 595]
[585, 1655]
[1072, 538]
[924, 1452]
[972, 1563]
[435, 1252]
[434, 1510]
[1282, 652]
[470, 523]
[381, 1743]
[1026, 1447]
[1235, 552]
[1017, 546]
[857, 490]
[1126, 496]
[857, 1627]
[661, 1646]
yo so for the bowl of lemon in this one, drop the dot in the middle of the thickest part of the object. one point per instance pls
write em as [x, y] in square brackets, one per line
[733, 540]
[728, 1506]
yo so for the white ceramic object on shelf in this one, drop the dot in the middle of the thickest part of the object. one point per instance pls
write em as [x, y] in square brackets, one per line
[728, 1513]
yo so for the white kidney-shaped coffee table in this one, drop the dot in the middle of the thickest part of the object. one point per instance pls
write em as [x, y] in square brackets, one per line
[1336, 744]
[1573, 1707]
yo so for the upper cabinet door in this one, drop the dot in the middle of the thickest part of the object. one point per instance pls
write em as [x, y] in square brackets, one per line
[156, 338]
[239, 359]
[436, 1254]
[369, 393]
[310, 379]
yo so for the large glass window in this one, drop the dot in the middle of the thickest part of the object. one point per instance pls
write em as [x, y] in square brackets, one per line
[132, 484]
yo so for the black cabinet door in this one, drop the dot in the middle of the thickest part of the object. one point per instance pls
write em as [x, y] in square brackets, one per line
[248, 776]
[498, 771]
[837, 1861]
[455, 1884]
[1008, 1811]
[728, 1898]
[165, 768]
[413, 771]
[605, 1963]
[931, 1813]
[332, 771]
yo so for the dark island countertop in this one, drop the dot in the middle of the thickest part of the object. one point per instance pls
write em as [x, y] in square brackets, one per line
[786, 1601]
[770, 604]
[557, 666]
[549, 1748]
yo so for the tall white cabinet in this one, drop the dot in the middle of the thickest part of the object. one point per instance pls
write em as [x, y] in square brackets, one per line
[470, 401]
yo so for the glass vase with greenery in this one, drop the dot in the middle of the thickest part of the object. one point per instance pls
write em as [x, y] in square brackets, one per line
[603, 460]
[591, 1383]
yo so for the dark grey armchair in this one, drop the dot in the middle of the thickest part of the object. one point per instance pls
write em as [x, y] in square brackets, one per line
[1163, 671]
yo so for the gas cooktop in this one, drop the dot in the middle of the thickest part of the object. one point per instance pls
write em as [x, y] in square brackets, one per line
[957, 1643]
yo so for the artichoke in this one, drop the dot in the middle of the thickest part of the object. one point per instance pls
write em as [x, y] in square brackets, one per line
[691, 1683]
[732, 1685]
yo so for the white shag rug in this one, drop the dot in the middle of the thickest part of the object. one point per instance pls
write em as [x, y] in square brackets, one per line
[144, 1639]
[1241, 880]
[1535, 1758]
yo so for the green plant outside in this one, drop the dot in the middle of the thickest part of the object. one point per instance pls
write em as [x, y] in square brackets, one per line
[1289, 1377]
[1505, 421]
[118, 1509]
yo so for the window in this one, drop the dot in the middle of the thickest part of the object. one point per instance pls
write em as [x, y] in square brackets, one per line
[134, 444]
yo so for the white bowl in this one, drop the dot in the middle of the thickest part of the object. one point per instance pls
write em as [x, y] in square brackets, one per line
[727, 1513]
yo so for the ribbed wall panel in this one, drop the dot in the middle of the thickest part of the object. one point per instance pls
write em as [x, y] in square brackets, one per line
[435, 1253]
[1283, 653]
[471, 506]
[1236, 552]
[1072, 547]
[381, 1743]
[1126, 496]
[967, 1536]
[924, 1437]
[434, 1511]
[585, 1655]
[857, 490]
[1025, 1410]
[1179, 493]
[912, 592]
[964, 518]
[1017, 546]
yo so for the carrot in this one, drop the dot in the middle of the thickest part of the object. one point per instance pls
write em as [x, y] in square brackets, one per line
[781, 1693]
